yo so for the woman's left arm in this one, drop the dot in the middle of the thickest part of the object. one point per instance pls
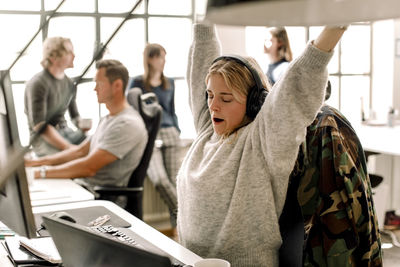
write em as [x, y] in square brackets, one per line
[292, 105]
[329, 37]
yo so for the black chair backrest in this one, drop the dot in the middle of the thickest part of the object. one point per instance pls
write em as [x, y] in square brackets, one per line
[148, 107]
[291, 225]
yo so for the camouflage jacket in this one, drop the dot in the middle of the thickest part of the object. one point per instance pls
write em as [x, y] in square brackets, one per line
[335, 197]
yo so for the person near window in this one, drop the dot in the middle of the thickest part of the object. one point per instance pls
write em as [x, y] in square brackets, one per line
[165, 160]
[111, 154]
[277, 47]
[233, 180]
[49, 94]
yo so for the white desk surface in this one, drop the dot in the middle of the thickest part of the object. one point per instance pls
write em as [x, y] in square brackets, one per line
[381, 139]
[45, 192]
[4, 260]
[147, 232]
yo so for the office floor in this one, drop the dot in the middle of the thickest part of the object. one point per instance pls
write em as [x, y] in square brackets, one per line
[164, 226]
[391, 253]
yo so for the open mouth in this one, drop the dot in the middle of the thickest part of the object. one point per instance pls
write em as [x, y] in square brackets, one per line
[216, 120]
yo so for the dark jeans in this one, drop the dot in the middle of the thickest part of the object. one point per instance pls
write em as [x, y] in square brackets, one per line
[42, 148]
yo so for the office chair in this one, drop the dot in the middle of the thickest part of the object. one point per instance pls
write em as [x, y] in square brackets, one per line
[375, 179]
[328, 161]
[151, 111]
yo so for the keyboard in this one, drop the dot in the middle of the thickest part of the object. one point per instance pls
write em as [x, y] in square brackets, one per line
[126, 236]
[117, 234]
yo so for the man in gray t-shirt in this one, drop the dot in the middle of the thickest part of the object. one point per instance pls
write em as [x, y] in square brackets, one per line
[114, 151]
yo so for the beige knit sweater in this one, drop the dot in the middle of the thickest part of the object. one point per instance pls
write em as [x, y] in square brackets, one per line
[231, 192]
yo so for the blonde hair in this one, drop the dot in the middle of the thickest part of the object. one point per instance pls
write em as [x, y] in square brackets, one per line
[151, 51]
[284, 49]
[53, 47]
[238, 79]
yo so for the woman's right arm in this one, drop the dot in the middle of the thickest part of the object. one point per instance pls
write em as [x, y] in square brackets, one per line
[204, 49]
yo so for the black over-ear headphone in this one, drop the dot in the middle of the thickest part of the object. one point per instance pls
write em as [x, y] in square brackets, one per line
[257, 94]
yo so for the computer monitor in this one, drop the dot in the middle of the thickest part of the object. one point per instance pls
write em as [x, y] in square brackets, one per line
[15, 204]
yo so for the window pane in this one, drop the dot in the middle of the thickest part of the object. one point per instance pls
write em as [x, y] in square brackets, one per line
[182, 109]
[86, 100]
[201, 6]
[22, 121]
[33, 5]
[384, 65]
[354, 89]
[120, 6]
[297, 39]
[255, 38]
[314, 32]
[127, 45]
[176, 42]
[29, 64]
[71, 5]
[356, 50]
[171, 7]
[81, 32]
[333, 100]
[14, 43]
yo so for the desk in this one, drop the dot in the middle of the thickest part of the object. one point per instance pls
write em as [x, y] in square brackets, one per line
[4, 260]
[57, 191]
[386, 141]
[381, 139]
[145, 231]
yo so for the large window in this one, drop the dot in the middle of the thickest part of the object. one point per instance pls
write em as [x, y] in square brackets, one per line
[90, 24]
[360, 70]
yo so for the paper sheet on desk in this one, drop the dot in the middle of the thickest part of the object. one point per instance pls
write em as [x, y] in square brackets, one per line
[42, 247]
[36, 187]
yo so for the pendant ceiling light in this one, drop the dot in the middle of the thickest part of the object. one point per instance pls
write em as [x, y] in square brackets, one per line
[299, 12]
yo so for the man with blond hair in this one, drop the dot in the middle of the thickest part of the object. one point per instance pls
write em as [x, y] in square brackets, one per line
[49, 94]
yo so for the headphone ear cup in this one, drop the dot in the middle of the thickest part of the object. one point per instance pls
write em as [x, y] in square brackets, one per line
[255, 100]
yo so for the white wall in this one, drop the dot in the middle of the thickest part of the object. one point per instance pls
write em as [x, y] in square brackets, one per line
[232, 39]
[396, 65]
[383, 67]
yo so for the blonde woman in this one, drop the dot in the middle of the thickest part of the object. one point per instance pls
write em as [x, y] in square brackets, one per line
[233, 181]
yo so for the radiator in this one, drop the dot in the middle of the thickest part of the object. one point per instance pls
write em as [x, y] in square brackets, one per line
[154, 208]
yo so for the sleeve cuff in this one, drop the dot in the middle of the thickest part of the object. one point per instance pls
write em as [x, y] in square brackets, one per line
[203, 32]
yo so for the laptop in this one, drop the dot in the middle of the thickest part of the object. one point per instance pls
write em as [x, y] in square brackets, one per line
[80, 246]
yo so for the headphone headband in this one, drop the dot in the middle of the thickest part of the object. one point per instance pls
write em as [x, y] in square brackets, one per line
[244, 62]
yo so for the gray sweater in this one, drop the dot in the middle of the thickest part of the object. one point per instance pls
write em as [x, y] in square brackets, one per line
[231, 191]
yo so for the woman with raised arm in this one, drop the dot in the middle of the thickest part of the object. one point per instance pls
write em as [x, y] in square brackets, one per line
[233, 181]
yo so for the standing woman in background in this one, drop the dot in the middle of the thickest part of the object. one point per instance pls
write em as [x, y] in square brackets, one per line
[277, 47]
[165, 162]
